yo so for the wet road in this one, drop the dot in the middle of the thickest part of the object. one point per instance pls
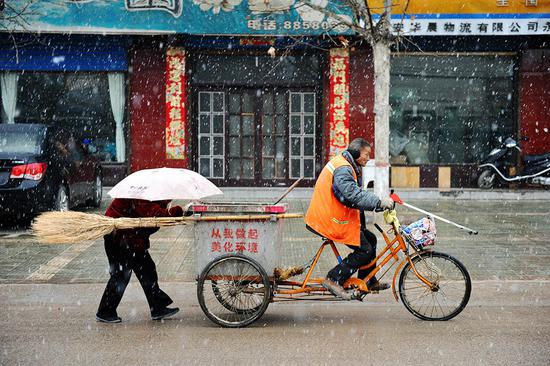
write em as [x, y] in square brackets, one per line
[49, 295]
[505, 323]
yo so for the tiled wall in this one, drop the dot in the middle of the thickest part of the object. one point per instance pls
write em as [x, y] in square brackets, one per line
[433, 176]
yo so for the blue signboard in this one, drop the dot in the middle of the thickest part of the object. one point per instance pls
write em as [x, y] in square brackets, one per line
[209, 17]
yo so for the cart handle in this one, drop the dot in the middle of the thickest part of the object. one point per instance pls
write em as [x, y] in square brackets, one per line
[245, 217]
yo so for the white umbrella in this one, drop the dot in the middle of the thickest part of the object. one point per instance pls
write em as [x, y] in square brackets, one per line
[164, 184]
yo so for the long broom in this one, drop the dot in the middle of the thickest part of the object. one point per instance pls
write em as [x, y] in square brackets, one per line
[71, 227]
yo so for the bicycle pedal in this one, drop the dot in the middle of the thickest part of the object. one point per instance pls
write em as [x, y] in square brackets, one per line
[359, 295]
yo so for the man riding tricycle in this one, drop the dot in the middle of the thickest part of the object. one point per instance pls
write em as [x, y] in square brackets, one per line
[235, 290]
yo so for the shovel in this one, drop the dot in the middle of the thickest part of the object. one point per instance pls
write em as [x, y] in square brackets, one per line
[397, 199]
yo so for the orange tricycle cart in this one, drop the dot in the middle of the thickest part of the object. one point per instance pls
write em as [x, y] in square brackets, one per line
[237, 247]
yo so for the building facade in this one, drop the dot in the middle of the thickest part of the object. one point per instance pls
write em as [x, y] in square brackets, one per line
[262, 93]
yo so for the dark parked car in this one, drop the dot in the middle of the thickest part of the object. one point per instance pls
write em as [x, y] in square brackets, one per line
[45, 168]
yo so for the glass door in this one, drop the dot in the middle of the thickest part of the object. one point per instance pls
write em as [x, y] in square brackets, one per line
[274, 139]
[257, 136]
[241, 136]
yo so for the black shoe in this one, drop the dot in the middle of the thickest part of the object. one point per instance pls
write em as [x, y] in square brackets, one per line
[163, 313]
[335, 289]
[378, 286]
[108, 318]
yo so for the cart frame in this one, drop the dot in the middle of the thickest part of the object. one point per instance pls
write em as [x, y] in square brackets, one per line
[245, 294]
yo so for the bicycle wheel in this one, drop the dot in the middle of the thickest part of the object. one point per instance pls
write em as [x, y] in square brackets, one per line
[450, 294]
[233, 291]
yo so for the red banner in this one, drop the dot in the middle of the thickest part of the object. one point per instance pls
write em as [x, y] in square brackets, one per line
[339, 101]
[175, 104]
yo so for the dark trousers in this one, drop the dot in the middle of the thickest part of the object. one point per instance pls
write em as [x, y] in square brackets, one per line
[360, 256]
[122, 261]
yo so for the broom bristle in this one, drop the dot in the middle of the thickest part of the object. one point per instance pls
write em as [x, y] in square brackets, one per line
[70, 227]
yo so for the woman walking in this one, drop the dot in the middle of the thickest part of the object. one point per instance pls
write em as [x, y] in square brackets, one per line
[127, 251]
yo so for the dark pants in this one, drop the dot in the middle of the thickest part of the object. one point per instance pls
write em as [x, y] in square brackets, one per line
[360, 256]
[122, 261]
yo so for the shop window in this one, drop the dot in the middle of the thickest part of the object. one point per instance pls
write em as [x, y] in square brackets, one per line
[79, 102]
[212, 134]
[451, 108]
[302, 135]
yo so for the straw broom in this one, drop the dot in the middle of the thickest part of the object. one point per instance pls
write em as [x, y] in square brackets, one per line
[71, 227]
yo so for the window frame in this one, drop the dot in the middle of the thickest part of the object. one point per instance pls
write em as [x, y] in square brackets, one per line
[258, 180]
[211, 134]
[302, 135]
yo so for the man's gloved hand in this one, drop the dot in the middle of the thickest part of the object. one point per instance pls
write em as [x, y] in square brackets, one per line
[175, 211]
[386, 203]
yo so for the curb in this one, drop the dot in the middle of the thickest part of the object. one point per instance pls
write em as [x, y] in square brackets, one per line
[271, 194]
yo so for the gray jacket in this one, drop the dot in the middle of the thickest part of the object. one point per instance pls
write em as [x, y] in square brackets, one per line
[349, 192]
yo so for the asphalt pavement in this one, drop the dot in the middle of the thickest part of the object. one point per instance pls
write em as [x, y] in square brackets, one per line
[505, 323]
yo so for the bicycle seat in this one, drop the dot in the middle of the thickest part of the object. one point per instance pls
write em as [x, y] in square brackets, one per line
[315, 232]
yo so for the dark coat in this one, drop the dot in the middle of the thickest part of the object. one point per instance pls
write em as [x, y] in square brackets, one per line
[137, 239]
[348, 191]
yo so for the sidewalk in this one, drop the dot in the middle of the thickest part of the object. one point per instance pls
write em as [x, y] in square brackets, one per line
[273, 193]
[512, 244]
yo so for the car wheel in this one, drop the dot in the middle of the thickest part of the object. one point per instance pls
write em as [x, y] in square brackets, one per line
[61, 202]
[97, 192]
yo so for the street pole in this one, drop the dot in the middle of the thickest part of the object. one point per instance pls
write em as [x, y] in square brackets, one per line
[381, 56]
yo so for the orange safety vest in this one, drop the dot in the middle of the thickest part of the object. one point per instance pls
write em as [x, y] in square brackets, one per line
[328, 216]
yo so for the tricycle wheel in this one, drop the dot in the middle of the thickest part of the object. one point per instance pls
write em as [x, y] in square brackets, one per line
[222, 298]
[233, 291]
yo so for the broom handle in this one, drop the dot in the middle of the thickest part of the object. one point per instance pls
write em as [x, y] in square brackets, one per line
[145, 222]
[288, 190]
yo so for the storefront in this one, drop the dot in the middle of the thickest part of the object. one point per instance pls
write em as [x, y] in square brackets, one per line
[250, 119]
[217, 104]
[466, 76]
[448, 111]
[250, 96]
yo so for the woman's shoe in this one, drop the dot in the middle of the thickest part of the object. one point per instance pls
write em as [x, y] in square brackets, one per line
[108, 318]
[163, 313]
